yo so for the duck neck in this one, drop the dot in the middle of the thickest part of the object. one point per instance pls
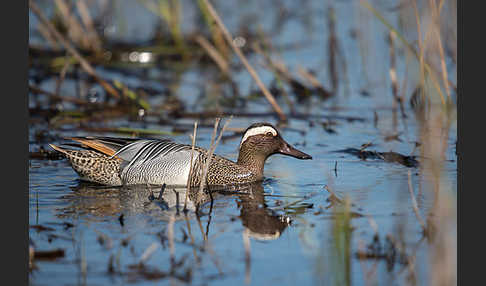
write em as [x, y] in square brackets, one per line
[251, 161]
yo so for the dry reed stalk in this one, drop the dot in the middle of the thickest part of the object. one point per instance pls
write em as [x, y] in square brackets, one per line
[214, 54]
[148, 252]
[444, 247]
[393, 75]
[372, 223]
[246, 244]
[88, 23]
[393, 71]
[104, 240]
[245, 62]
[419, 55]
[211, 149]
[170, 236]
[193, 244]
[201, 227]
[216, 34]
[436, 21]
[213, 257]
[420, 44]
[48, 37]
[84, 64]
[425, 67]
[442, 218]
[62, 75]
[209, 156]
[54, 96]
[75, 30]
[303, 72]
[414, 203]
[276, 66]
[404, 80]
[190, 167]
[281, 72]
[83, 265]
[207, 246]
[332, 46]
[368, 274]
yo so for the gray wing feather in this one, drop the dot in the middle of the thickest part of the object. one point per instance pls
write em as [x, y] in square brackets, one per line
[142, 151]
[152, 160]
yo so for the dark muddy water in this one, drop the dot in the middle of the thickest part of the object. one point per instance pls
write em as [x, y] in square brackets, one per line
[282, 230]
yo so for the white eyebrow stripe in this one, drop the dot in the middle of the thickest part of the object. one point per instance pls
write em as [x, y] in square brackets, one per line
[258, 130]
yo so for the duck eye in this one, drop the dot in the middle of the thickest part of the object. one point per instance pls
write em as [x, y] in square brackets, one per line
[269, 134]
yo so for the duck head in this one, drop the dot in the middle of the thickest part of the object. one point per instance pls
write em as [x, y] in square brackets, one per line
[261, 140]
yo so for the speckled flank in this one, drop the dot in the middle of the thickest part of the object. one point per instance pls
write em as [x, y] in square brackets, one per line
[95, 167]
[221, 171]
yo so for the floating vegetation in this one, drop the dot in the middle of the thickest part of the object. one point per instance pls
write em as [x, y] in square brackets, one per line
[390, 157]
[175, 68]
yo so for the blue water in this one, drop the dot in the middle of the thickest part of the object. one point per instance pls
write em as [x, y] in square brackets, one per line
[302, 252]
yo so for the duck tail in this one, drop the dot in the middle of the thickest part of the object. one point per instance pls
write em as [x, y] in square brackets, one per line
[58, 149]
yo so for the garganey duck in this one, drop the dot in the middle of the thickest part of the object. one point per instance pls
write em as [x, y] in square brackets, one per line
[128, 161]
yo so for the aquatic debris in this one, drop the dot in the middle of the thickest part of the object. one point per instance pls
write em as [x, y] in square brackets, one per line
[327, 125]
[43, 154]
[40, 228]
[31, 255]
[392, 137]
[48, 254]
[390, 157]
[121, 219]
[388, 251]
[141, 270]
[104, 240]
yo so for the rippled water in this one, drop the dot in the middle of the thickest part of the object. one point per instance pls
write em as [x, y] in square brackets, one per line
[278, 231]
[280, 252]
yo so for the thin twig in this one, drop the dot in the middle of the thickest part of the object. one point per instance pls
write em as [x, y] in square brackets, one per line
[170, 235]
[243, 59]
[62, 75]
[177, 201]
[436, 17]
[88, 23]
[148, 252]
[305, 197]
[189, 178]
[393, 75]
[333, 47]
[48, 37]
[214, 54]
[193, 244]
[198, 218]
[418, 55]
[210, 152]
[84, 64]
[414, 202]
[246, 244]
[36, 90]
[75, 29]
[303, 72]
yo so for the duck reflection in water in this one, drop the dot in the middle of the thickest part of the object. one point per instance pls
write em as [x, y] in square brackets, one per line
[96, 202]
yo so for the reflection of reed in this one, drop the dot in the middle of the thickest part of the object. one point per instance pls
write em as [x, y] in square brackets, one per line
[259, 221]
[93, 201]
